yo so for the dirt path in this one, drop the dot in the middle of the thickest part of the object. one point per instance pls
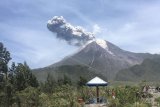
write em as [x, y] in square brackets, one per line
[95, 105]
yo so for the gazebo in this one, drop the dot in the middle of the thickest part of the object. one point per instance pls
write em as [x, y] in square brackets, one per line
[96, 82]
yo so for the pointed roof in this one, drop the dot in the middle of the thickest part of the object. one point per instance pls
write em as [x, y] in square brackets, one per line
[97, 82]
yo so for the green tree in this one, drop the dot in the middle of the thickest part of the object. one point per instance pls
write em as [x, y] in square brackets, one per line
[66, 80]
[82, 81]
[5, 85]
[49, 85]
[65, 96]
[29, 97]
[14, 78]
[4, 59]
[24, 77]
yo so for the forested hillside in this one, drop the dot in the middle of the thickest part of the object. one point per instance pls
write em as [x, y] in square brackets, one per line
[71, 71]
[149, 70]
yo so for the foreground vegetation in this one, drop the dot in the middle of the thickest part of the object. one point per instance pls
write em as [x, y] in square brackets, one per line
[20, 88]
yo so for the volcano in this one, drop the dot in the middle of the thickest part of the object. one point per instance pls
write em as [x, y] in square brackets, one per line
[103, 58]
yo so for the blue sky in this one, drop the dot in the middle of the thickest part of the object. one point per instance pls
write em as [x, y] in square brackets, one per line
[133, 25]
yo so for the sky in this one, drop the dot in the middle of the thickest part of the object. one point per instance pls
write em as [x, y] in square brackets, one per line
[133, 25]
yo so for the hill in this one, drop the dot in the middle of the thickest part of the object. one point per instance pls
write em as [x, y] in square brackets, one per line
[149, 70]
[71, 71]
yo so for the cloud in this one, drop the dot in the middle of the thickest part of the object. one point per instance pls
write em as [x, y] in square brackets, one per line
[35, 46]
[96, 29]
[76, 36]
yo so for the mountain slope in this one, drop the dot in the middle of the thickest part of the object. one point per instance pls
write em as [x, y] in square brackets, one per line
[103, 58]
[149, 70]
[71, 71]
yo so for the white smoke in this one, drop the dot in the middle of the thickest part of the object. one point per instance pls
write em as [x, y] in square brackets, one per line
[73, 35]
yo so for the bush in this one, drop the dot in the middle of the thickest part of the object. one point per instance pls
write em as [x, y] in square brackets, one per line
[28, 97]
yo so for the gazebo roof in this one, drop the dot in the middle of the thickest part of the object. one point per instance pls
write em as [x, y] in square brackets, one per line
[97, 82]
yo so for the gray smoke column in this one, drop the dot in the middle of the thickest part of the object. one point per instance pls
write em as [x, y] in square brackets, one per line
[73, 35]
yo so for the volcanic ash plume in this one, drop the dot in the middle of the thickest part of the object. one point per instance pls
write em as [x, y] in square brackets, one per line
[73, 35]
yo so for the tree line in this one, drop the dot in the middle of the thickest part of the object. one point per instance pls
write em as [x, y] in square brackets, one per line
[17, 83]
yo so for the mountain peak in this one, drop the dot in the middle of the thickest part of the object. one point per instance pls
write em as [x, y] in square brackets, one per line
[101, 43]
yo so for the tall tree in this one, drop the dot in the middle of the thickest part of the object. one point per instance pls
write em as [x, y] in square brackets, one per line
[4, 59]
[82, 81]
[15, 78]
[24, 77]
[49, 84]
[4, 72]
[66, 80]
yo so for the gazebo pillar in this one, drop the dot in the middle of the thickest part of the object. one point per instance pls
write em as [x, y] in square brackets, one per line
[97, 88]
